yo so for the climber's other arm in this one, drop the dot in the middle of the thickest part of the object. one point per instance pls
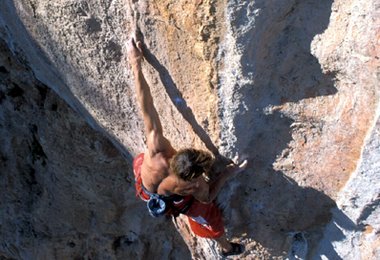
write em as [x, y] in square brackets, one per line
[156, 142]
[206, 192]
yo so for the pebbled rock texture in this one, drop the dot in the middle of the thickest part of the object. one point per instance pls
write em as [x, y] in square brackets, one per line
[293, 86]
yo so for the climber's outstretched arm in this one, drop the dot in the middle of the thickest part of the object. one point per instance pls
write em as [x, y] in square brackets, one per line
[207, 192]
[156, 142]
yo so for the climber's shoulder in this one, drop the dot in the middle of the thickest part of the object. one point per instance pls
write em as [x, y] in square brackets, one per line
[155, 168]
[159, 146]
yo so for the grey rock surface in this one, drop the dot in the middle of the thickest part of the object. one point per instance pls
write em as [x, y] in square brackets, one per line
[351, 233]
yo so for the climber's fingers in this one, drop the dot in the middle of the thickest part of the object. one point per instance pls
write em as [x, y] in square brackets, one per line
[238, 166]
[139, 46]
[236, 159]
[132, 46]
[134, 50]
[242, 165]
[239, 159]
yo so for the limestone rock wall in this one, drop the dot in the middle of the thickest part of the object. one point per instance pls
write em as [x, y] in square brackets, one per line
[291, 85]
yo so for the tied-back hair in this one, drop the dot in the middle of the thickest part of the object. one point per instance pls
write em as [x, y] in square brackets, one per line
[190, 163]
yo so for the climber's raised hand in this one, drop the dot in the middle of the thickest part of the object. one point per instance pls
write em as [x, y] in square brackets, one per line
[135, 53]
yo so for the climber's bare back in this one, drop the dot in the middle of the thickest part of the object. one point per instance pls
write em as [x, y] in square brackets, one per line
[154, 170]
[156, 176]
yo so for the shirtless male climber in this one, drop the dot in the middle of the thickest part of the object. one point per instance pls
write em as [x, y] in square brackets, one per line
[176, 182]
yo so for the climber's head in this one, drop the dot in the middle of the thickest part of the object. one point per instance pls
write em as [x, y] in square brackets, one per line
[189, 164]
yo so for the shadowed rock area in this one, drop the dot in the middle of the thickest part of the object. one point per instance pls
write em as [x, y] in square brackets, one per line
[65, 192]
[293, 86]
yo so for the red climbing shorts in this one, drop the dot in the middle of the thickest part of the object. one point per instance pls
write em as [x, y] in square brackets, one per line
[137, 163]
[205, 219]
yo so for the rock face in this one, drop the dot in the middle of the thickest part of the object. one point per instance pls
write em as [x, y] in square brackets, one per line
[291, 85]
[65, 189]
